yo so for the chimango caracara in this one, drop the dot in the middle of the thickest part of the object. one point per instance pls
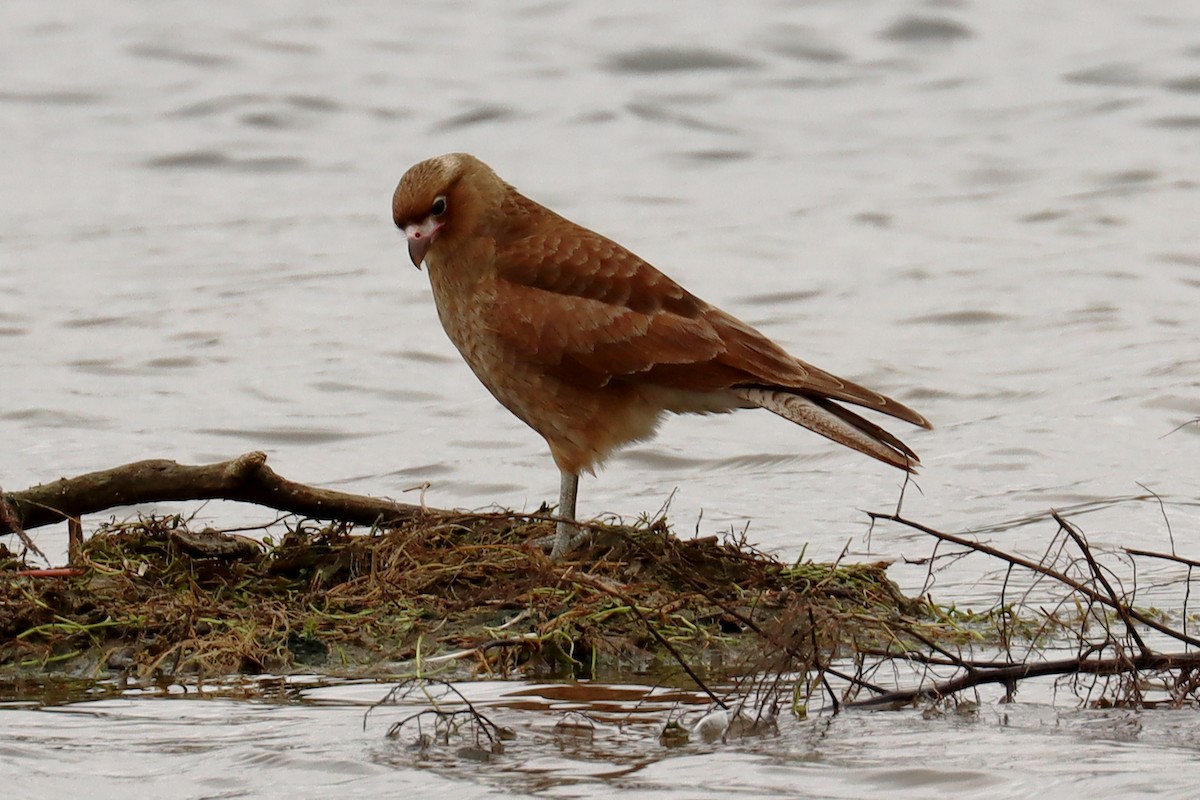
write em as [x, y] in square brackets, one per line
[588, 344]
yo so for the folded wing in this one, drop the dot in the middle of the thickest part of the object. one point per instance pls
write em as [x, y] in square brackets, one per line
[592, 313]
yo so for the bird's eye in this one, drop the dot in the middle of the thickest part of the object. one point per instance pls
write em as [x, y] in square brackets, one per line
[439, 206]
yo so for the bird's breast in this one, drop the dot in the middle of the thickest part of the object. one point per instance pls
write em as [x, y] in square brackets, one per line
[463, 307]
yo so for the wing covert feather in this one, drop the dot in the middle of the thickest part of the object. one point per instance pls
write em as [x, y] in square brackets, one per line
[593, 312]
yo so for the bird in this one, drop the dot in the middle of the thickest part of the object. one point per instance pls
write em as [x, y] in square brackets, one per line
[591, 346]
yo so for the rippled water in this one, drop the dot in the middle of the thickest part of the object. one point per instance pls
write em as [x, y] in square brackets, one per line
[318, 744]
[987, 210]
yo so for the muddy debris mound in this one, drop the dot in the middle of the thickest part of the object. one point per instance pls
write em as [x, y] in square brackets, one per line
[155, 599]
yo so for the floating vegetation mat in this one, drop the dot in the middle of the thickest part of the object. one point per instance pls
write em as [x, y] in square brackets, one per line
[446, 593]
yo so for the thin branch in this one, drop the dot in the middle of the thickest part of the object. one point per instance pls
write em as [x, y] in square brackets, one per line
[1121, 607]
[1015, 672]
[1181, 426]
[1191, 562]
[1083, 589]
[10, 523]
[1162, 508]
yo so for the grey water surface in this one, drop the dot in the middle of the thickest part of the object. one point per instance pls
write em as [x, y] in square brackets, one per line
[988, 210]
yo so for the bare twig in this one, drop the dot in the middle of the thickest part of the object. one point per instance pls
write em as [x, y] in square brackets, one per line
[1134, 551]
[1012, 673]
[446, 721]
[10, 523]
[1162, 508]
[1121, 607]
[1181, 426]
[1041, 569]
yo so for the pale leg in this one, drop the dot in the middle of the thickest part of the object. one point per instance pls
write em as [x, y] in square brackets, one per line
[567, 492]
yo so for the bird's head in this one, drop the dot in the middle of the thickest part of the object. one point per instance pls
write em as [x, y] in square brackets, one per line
[440, 201]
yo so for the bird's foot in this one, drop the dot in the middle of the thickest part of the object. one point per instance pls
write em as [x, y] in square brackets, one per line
[566, 539]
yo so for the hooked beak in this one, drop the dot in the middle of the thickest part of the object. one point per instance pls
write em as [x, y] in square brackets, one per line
[420, 237]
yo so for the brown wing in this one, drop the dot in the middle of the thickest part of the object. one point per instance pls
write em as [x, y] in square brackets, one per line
[592, 312]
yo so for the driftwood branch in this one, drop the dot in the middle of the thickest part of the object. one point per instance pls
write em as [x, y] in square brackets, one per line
[1009, 674]
[246, 479]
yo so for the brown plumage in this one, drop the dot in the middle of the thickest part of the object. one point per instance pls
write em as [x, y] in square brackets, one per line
[587, 343]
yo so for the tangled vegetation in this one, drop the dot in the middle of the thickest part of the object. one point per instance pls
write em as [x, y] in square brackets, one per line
[153, 598]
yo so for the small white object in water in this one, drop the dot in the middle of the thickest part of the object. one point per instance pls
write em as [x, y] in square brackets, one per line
[712, 726]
